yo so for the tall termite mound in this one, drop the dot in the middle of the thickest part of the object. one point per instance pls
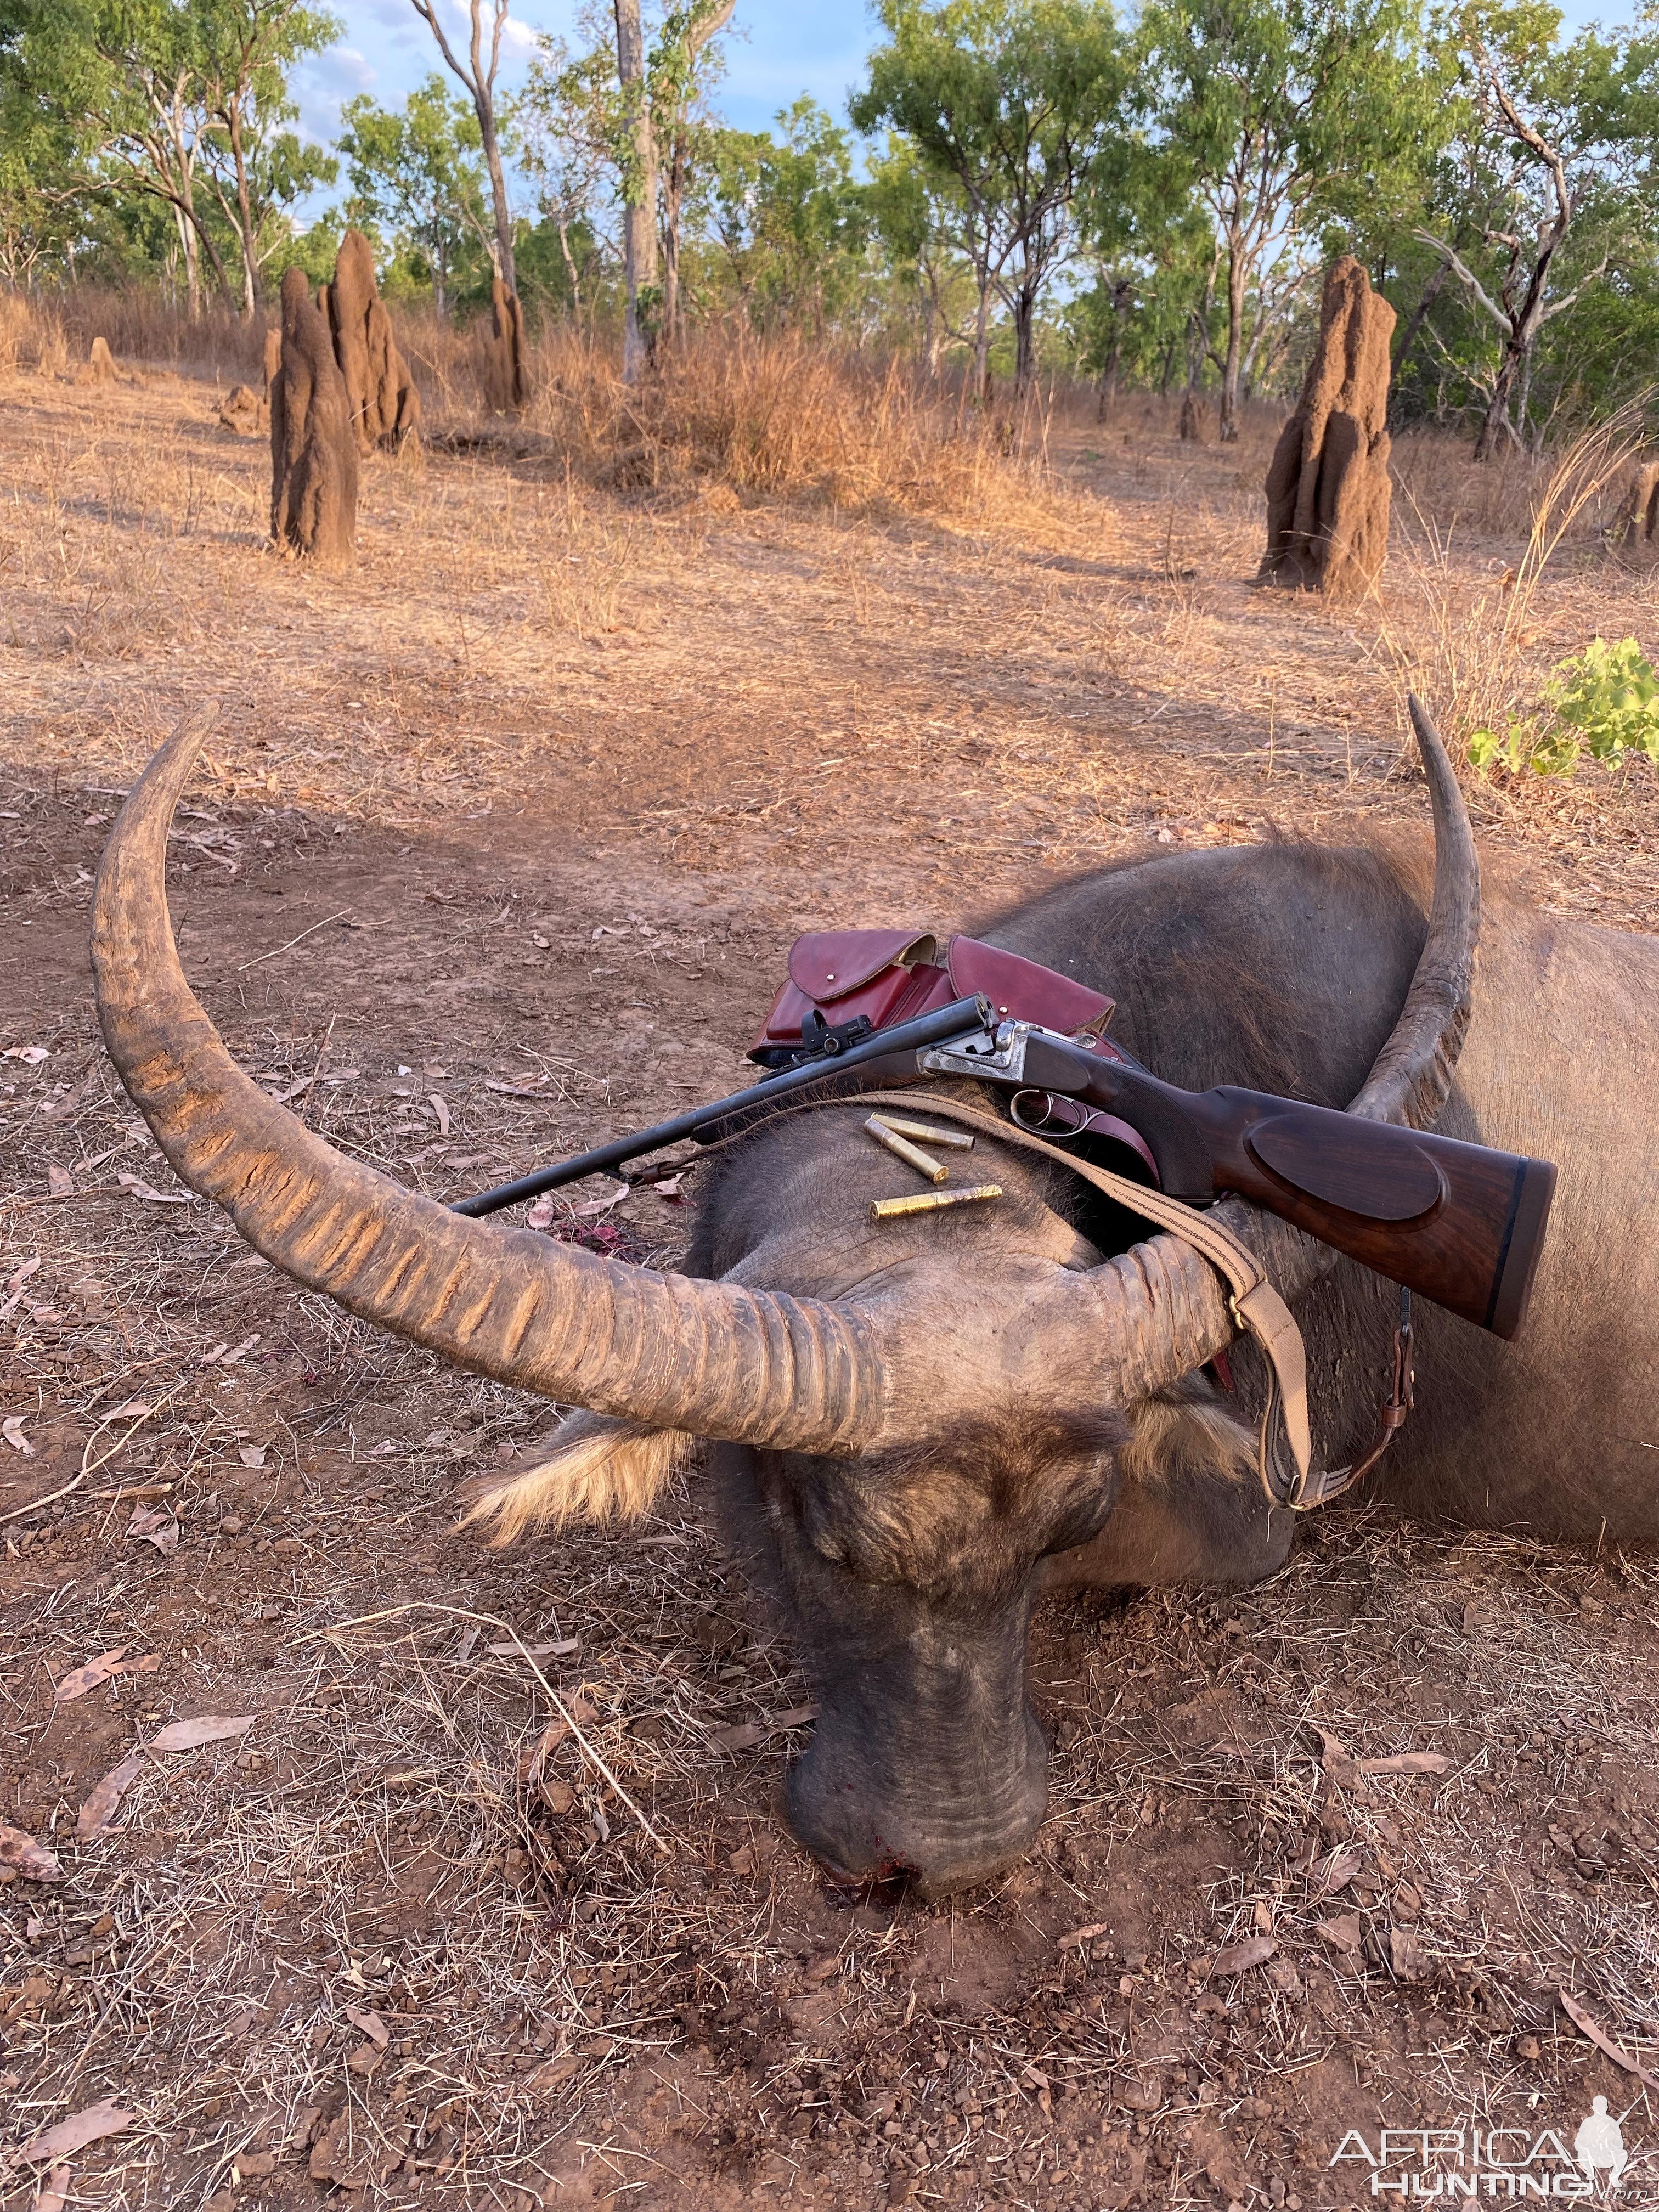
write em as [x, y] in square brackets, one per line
[1640, 523]
[385, 405]
[1327, 485]
[102, 361]
[507, 380]
[313, 453]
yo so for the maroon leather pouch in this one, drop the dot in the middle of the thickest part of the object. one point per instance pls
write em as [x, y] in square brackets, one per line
[884, 975]
[891, 975]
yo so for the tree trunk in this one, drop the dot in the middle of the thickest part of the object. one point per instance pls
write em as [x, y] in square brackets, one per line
[1236, 273]
[982, 368]
[492, 153]
[1522, 400]
[1419, 316]
[1497, 414]
[192, 265]
[1107, 391]
[569, 265]
[245, 217]
[1025, 340]
[672, 198]
[639, 200]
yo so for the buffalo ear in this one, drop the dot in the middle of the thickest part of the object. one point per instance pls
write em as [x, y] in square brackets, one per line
[1187, 1430]
[600, 1469]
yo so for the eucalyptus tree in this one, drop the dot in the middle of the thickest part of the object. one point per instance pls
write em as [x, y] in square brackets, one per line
[1547, 178]
[1013, 101]
[477, 75]
[564, 124]
[1282, 112]
[416, 172]
[123, 83]
[916, 215]
[258, 169]
[792, 220]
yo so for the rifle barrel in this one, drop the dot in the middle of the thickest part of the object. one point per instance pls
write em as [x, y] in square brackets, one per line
[960, 1018]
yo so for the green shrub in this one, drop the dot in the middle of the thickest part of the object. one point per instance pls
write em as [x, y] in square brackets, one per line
[1603, 702]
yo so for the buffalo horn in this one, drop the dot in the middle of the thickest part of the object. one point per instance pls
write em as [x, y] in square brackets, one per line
[1164, 1306]
[713, 1357]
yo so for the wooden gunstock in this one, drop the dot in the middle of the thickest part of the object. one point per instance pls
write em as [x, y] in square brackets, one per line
[1460, 1224]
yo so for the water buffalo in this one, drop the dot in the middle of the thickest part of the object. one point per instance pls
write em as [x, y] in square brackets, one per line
[919, 1428]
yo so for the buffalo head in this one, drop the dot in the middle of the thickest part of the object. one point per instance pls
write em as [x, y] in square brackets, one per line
[909, 1426]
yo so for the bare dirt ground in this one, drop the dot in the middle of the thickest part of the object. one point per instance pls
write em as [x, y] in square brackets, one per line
[499, 852]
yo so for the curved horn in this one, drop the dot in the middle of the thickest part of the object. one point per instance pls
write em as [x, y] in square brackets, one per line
[711, 1357]
[1163, 1304]
[1411, 1077]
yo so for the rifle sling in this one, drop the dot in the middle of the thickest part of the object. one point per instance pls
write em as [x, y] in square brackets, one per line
[1256, 1304]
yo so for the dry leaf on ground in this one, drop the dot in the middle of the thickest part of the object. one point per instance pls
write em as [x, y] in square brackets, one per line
[80, 1679]
[1406, 1954]
[1096, 1928]
[1249, 1951]
[21, 1855]
[12, 1430]
[60, 1183]
[1341, 1931]
[99, 1810]
[206, 1727]
[553, 2073]
[596, 1205]
[1582, 2020]
[75, 2133]
[96, 1670]
[154, 1524]
[147, 1192]
[371, 2024]
[1337, 1871]
[1337, 1760]
[745, 1734]
[1407, 1762]
[54, 2190]
[251, 1454]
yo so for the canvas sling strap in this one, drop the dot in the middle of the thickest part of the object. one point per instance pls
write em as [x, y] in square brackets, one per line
[1253, 1301]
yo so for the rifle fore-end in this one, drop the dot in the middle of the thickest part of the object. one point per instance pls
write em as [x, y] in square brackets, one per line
[1462, 1224]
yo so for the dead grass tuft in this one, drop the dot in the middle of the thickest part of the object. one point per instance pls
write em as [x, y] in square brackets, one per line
[1472, 641]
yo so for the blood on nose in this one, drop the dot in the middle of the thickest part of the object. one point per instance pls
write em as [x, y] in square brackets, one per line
[885, 1887]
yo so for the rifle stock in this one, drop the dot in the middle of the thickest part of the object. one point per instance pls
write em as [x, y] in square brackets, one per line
[1461, 1224]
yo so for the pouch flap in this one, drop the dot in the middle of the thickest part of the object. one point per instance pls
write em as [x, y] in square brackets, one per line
[1022, 989]
[830, 963]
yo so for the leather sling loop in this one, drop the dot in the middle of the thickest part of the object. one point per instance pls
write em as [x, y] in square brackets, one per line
[1256, 1304]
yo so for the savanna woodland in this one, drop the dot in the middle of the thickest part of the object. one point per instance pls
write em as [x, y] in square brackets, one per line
[596, 545]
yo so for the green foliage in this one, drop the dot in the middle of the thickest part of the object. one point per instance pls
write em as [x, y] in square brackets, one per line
[1015, 103]
[790, 218]
[1603, 702]
[418, 173]
[1282, 113]
[109, 106]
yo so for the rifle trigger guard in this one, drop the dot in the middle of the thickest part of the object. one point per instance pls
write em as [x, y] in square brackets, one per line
[1044, 1122]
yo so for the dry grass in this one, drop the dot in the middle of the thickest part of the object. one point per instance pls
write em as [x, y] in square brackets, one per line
[741, 415]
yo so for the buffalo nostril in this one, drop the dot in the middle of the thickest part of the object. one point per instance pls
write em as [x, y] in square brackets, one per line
[884, 1889]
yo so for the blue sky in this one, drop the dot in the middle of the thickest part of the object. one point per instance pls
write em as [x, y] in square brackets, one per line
[776, 50]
